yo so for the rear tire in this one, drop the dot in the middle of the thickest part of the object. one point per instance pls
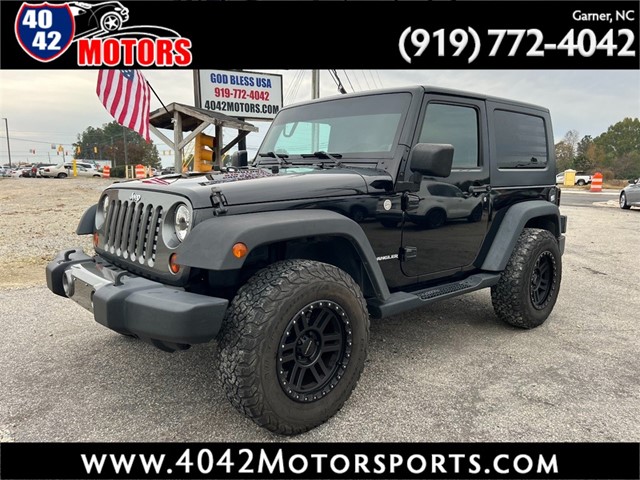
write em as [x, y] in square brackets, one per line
[293, 345]
[476, 214]
[528, 287]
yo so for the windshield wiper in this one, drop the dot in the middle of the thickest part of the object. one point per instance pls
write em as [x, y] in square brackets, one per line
[334, 157]
[280, 157]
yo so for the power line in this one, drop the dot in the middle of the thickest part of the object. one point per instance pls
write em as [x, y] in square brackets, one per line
[355, 77]
[373, 79]
[348, 80]
[288, 90]
[34, 141]
[379, 80]
[365, 80]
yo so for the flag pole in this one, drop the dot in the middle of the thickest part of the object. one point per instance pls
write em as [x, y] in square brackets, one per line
[157, 96]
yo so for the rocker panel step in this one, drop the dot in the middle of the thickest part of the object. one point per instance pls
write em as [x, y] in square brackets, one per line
[402, 301]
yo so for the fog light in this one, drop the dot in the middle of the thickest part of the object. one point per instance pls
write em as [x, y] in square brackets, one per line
[173, 266]
[240, 250]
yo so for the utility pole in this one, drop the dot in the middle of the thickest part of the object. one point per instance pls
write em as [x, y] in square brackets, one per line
[6, 124]
[124, 136]
[315, 93]
[315, 84]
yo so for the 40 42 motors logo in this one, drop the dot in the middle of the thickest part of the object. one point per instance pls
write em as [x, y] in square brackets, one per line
[102, 33]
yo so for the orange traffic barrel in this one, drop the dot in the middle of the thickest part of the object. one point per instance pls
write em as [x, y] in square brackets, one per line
[106, 172]
[140, 172]
[596, 182]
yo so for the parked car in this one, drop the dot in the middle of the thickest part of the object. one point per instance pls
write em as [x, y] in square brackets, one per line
[435, 204]
[25, 171]
[42, 166]
[87, 165]
[270, 259]
[580, 180]
[630, 195]
[63, 171]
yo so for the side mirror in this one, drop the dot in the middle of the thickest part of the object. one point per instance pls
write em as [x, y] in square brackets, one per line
[633, 182]
[431, 159]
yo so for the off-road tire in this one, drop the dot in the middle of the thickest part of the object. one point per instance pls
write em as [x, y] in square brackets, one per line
[623, 202]
[513, 296]
[256, 321]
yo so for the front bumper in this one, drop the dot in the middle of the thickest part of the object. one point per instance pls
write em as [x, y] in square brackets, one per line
[168, 317]
[563, 230]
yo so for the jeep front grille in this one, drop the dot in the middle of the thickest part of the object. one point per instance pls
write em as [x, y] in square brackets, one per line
[131, 230]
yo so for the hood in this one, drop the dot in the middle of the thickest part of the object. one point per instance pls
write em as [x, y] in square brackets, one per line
[260, 185]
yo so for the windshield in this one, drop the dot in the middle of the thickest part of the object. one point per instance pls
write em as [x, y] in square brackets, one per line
[358, 127]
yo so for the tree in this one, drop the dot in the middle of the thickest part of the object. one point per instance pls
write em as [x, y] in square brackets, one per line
[108, 142]
[582, 161]
[620, 145]
[571, 139]
[621, 138]
[564, 156]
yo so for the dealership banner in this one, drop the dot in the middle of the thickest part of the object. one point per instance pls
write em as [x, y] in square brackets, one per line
[233, 35]
[320, 460]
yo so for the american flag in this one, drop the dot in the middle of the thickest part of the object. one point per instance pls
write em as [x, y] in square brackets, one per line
[126, 96]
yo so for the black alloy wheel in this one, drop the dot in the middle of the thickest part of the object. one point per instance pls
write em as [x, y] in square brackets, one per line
[542, 280]
[314, 351]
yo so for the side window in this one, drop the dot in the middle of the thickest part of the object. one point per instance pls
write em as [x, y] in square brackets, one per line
[521, 140]
[456, 125]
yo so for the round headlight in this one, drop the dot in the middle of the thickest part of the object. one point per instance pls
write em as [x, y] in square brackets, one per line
[105, 205]
[182, 221]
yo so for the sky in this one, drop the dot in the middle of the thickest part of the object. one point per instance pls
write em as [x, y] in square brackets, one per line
[52, 106]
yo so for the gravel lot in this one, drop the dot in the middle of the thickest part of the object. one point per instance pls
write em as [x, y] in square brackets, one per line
[451, 372]
[38, 217]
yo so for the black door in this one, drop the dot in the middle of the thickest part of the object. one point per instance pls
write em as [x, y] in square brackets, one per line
[446, 221]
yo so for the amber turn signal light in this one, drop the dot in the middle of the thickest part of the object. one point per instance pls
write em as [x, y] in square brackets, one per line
[240, 250]
[96, 239]
[173, 266]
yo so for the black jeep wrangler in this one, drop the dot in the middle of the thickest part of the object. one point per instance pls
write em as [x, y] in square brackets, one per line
[356, 206]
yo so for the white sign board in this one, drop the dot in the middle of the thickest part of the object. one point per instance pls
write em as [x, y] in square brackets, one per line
[249, 95]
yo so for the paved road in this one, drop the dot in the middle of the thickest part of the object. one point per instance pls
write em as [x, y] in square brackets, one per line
[588, 199]
[451, 372]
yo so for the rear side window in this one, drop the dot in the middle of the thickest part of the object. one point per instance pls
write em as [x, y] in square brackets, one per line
[521, 140]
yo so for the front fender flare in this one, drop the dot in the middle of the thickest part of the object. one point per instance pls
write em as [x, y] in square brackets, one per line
[209, 244]
[88, 221]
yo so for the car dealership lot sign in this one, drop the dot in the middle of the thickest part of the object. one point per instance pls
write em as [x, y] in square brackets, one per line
[248, 95]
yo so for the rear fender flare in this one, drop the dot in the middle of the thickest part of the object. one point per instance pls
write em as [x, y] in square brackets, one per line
[505, 237]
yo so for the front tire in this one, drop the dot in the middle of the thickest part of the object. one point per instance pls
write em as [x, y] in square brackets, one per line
[293, 345]
[435, 218]
[62, 175]
[623, 202]
[528, 287]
